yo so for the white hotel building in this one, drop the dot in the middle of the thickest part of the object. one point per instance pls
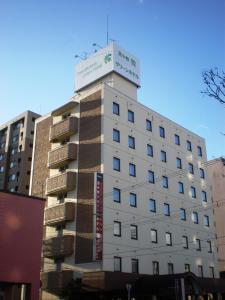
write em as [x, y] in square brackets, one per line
[154, 216]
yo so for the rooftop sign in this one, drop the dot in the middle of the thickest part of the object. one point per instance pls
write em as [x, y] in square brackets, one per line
[103, 62]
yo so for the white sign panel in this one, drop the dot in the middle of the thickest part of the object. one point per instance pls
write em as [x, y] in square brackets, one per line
[111, 58]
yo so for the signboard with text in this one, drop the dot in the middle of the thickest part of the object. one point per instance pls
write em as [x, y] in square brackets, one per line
[103, 62]
[99, 216]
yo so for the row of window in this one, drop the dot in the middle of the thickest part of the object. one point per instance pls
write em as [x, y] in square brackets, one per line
[164, 179]
[117, 231]
[150, 152]
[155, 267]
[162, 134]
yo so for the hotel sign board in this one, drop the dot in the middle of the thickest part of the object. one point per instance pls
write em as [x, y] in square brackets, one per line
[106, 60]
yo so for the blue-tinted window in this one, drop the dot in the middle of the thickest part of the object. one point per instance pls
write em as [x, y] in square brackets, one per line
[189, 147]
[152, 205]
[193, 192]
[149, 150]
[166, 209]
[132, 170]
[180, 187]
[191, 168]
[131, 116]
[151, 177]
[116, 195]
[133, 199]
[182, 214]
[116, 164]
[195, 217]
[177, 139]
[116, 135]
[199, 149]
[202, 173]
[148, 125]
[206, 221]
[161, 131]
[116, 108]
[204, 196]
[131, 142]
[163, 156]
[179, 163]
[165, 183]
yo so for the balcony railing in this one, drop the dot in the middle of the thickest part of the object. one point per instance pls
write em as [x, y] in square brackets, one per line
[62, 155]
[56, 281]
[63, 129]
[61, 183]
[59, 246]
[59, 214]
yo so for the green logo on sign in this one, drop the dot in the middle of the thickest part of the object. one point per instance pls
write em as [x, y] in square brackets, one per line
[107, 58]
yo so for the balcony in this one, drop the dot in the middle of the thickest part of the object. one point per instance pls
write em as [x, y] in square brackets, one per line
[56, 281]
[63, 129]
[59, 246]
[59, 214]
[61, 183]
[62, 155]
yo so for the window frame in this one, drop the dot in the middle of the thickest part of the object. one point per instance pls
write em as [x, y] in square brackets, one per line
[177, 139]
[148, 125]
[193, 192]
[133, 166]
[135, 262]
[135, 199]
[119, 259]
[117, 190]
[130, 116]
[195, 217]
[178, 163]
[116, 135]
[131, 142]
[189, 145]
[119, 228]
[191, 168]
[152, 176]
[162, 133]
[185, 242]
[163, 156]
[154, 239]
[166, 209]
[165, 182]
[116, 161]
[168, 237]
[183, 216]
[155, 267]
[180, 187]
[135, 228]
[151, 200]
[150, 151]
[116, 108]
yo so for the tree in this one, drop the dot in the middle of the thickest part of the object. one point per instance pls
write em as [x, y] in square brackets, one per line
[215, 84]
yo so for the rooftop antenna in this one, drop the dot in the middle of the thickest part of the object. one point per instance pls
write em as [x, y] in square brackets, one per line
[79, 56]
[107, 33]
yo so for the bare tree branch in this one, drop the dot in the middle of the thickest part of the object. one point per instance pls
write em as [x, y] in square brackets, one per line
[214, 84]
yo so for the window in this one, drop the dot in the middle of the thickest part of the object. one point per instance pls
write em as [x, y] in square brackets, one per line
[195, 217]
[131, 142]
[154, 238]
[185, 241]
[133, 232]
[134, 265]
[15, 138]
[193, 192]
[161, 132]
[166, 209]
[116, 195]
[116, 108]
[132, 170]
[168, 239]
[148, 125]
[117, 264]
[211, 271]
[151, 177]
[198, 244]
[116, 135]
[116, 164]
[187, 268]
[149, 150]
[179, 163]
[204, 196]
[133, 199]
[170, 269]
[182, 214]
[189, 147]
[152, 205]
[2, 157]
[165, 182]
[199, 150]
[177, 139]
[209, 246]
[155, 267]
[201, 173]
[190, 168]
[206, 220]
[131, 116]
[117, 228]
[1, 169]
[13, 151]
[180, 187]
[12, 177]
[12, 164]
[200, 270]
[163, 156]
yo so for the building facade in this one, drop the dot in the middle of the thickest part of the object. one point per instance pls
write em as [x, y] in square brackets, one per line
[16, 145]
[21, 219]
[216, 170]
[127, 190]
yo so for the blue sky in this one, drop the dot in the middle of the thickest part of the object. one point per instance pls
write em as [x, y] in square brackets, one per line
[175, 41]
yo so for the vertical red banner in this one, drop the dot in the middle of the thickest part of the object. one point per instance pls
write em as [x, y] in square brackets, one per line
[99, 216]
